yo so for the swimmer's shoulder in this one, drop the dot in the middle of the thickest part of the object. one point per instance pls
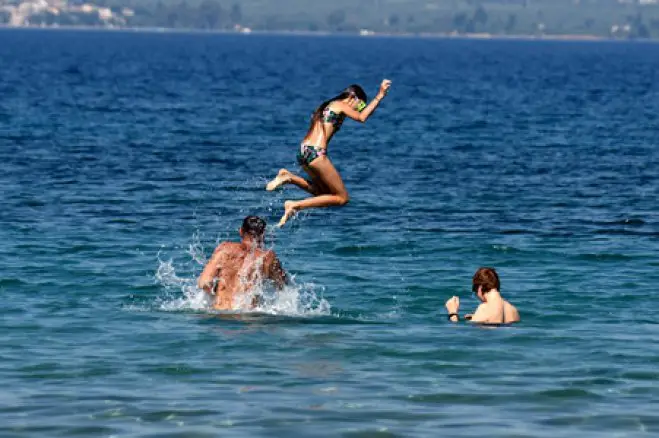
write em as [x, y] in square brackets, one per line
[488, 313]
[222, 246]
[227, 248]
[512, 315]
[269, 257]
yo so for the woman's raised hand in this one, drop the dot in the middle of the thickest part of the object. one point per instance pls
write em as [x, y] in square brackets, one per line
[384, 88]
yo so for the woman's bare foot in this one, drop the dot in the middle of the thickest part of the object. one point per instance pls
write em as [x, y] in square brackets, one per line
[289, 210]
[282, 178]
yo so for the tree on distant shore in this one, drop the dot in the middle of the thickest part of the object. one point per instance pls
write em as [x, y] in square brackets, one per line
[394, 20]
[179, 16]
[589, 23]
[460, 21]
[236, 15]
[480, 15]
[414, 16]
[336, 19]
[654, 24]
[511, 23]
[209, 15]
[639, 28]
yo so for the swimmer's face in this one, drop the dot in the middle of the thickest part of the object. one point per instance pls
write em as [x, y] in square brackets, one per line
[356, 103]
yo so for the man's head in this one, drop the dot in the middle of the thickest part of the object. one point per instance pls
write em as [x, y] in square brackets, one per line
[485, 279]
[253, 227]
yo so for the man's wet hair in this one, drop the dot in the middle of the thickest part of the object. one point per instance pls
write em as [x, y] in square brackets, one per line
[254, 226]
[487, 278]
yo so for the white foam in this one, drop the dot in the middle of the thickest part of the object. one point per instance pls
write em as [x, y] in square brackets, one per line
[181, 292]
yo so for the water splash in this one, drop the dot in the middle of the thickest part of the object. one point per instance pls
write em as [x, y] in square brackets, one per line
[181, 292]
[294, 300]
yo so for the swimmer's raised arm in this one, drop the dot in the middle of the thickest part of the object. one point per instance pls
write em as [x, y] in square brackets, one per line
[453, 307]
[480, 316]
[370, 108]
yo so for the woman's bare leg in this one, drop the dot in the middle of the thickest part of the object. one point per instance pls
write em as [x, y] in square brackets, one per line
[286, 177]
[331, 179]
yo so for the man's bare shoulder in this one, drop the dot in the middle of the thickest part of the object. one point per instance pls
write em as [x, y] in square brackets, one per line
[227, 247]
[269, 254]
[225, 251]
[512, 311]
[483, 314]
[272, 268]
[272, 259]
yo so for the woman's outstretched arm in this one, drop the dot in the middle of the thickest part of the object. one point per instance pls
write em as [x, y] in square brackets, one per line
[370, 108]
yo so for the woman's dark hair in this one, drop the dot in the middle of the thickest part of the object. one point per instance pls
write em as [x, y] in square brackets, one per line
[353, 90]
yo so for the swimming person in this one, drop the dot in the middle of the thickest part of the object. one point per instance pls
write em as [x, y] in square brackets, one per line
[326, 184]
[493, 308]
[236, 268]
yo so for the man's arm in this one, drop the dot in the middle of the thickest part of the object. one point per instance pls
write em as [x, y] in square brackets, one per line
[275, 271]
[211, 271]
[453, 307]
[481, 315]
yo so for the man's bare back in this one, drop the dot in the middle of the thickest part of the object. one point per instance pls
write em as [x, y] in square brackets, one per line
[495, 311]
[493, 308]
[236, 268]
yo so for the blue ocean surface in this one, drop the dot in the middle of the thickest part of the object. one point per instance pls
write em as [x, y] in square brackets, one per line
[126, 157]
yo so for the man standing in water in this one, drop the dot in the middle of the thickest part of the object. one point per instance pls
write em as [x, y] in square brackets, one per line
[493, 309]
[236, 268]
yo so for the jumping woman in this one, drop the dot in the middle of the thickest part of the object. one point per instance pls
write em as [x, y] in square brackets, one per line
[326, 184]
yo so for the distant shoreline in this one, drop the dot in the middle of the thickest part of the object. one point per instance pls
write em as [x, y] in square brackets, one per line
[369, 34]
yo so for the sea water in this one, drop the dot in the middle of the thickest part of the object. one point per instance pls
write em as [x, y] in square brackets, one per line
[125, 158]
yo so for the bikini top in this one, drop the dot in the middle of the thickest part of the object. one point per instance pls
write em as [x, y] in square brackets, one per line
[335, 119]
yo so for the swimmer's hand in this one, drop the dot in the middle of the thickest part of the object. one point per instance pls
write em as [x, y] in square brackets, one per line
[384, 88]
[453, 305]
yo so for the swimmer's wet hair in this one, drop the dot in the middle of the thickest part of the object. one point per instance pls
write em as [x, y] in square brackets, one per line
[487, 278]
[254, 226]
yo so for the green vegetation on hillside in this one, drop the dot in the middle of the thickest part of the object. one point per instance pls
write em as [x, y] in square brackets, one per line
[617, 18]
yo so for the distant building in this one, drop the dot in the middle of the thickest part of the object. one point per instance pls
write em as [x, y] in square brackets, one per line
[105, 14]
